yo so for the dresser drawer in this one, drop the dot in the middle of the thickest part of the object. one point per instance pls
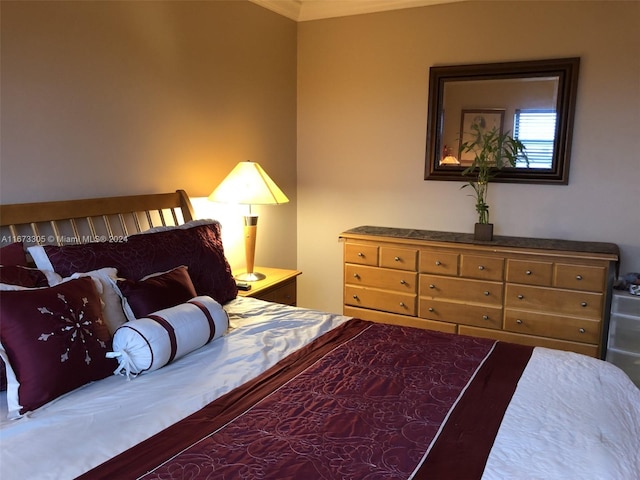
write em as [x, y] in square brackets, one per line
[465, 314]
[529, 272]
[556, 301]
[579, 277]
[398, 258]
[481, 267]
[440, 263]
[361, 254]
[460, 289]
[376, 299]
[563, 328]
[532, 340]
[395, 319]
[385, 278]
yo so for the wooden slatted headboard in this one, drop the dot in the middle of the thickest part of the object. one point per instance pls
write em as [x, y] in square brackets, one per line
[95, 219]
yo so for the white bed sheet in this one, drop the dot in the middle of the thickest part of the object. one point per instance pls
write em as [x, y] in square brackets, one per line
[566, 406]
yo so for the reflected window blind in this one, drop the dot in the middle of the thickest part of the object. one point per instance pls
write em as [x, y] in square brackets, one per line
[536, 130]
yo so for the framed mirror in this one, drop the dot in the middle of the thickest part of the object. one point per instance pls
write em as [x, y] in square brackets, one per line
[534, 101]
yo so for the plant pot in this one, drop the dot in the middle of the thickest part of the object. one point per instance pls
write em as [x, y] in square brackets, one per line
[483, 232]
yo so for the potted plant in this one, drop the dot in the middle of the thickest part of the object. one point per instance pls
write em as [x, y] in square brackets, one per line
[492, 151]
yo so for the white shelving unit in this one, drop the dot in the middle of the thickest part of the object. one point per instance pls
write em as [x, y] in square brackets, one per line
[624, 334]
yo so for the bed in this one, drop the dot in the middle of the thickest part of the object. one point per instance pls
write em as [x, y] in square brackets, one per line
[128, 354]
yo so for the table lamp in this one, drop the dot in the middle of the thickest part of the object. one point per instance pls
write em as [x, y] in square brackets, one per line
[249, 184]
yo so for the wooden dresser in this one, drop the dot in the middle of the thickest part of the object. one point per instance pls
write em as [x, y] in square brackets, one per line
[551, 293]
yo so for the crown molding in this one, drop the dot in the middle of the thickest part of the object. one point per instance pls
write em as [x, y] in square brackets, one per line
[287, 8]
[303, 10]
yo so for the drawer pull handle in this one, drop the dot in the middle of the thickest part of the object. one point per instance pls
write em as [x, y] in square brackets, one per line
[583, 304]
[486, 293]
[485, 317]
[519, 322]
[355, 297]
[578, 277]
[397, 259]
[360, 254]
[520, 297]
[480, 267]
[528, 272]
[402, 304]
[355, 275]
[402, 282]
[431, 309]
[432, 286]
[438, 263]
[582, 330]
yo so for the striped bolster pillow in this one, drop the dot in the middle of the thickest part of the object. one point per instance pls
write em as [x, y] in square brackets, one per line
[149, 343]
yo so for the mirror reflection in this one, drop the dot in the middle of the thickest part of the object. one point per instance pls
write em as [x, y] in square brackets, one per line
[532, 101]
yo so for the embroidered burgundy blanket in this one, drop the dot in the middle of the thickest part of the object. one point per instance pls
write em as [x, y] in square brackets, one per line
[364, 401]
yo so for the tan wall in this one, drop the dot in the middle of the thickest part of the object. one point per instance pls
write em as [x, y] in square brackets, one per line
[362, 109]
[110, 98]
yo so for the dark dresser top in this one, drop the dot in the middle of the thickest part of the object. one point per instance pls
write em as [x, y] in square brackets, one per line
[498, 241]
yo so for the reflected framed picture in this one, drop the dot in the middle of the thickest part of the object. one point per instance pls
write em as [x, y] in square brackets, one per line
[485, 119]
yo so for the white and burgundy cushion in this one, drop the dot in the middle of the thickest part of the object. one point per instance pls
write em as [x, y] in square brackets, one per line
[196, 245]
[54, 340]
[13, 254]
[150, 343]
[156, 292]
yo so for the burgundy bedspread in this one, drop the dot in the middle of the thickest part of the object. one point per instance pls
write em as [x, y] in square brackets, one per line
[364, 401]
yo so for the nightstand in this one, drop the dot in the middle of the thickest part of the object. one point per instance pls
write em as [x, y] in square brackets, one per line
[279, 286]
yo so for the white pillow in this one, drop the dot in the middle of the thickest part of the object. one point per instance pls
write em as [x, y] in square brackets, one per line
[39, 257]
[113, 311]
[149, 343]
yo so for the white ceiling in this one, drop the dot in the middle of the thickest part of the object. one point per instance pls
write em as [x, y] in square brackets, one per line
[301, 10]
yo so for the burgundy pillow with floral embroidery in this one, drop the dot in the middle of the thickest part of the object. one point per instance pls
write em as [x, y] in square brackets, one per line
[13, 254]
[196, 245]
[13, 276]
[55, 340]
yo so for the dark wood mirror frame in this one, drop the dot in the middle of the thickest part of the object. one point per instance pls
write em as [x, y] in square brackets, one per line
[566, 72]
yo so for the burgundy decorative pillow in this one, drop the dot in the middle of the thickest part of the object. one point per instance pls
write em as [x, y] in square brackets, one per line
[24, 276]
[157, 292]
[13, 254]
[197, 246]
[17, 277]
[55, 341]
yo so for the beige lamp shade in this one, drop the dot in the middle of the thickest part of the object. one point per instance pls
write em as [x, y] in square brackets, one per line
[449, 160]
[248, 184]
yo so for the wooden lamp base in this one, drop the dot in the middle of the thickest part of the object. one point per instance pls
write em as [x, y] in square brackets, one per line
[250, 230]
